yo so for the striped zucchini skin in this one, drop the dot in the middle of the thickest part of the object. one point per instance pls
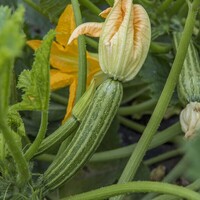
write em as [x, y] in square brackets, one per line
[90, 133]
[59, 135]
[189, 78]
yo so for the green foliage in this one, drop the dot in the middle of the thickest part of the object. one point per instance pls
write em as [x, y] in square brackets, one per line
[154, 73]
[35, 83]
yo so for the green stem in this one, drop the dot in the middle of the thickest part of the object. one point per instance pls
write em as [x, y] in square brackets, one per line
[82, 70]
[92, 43]
[161, 107]
[131, 124]
[124, 152]
[40, 136]
[137, 108]
[164, 156]
[136, 187]
[163, 6]
[91, 6]
[193, 186]
[22, 165]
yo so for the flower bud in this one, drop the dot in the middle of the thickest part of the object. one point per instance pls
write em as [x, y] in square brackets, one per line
[190, 119]
[124, 41]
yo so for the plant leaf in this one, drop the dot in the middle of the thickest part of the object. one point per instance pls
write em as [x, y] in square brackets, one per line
[35, 83]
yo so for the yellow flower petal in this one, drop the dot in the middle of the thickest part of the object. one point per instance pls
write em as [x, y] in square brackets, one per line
[72, 92]
[59, 79]
[64, 59]
[66, 26]
[92, 29]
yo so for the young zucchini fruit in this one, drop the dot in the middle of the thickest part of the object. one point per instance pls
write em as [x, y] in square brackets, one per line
[189, 78]
[90, 133]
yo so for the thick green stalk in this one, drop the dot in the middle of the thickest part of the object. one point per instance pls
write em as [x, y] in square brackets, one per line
[146, 138]
[91, 6]
[82, 70]
[40, 136]
[136, 187]
[129, 110]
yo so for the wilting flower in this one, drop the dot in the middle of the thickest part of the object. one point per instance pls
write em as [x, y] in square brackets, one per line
[190, 119]
[64, 58]
[124, 39]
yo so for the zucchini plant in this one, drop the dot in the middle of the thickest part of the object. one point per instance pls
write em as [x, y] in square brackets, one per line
[135, 38]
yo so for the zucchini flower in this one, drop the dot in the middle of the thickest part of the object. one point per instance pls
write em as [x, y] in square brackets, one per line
[124, 39]
[190, 119]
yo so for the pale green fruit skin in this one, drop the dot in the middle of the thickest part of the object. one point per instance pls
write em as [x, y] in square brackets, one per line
[189, 78]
